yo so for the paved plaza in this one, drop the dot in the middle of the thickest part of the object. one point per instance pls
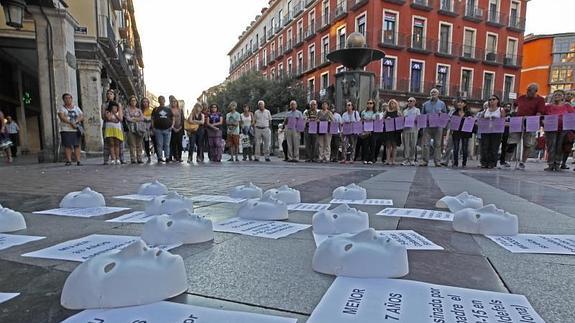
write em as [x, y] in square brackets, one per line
[275, 277]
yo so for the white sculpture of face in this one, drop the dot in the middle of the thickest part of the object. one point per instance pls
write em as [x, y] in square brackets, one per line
[169, 204]
[487, 220]
[342, 219]
[249, 191]
[11, 220]
[362, 255]
[285, 194]
[350, 192]
[267, 209]
[135, 275]
[83, 199]
[153, 188]
[459, 202]
[182, 227]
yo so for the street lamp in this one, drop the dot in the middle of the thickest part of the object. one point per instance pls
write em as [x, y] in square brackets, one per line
[14, 12]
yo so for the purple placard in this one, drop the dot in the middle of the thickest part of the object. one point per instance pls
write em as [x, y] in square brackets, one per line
[347, 128]
[551, 122]
[368, 126]
[497, 125]
[433, 120]
[389, 125]
[334, 128]
[357, 127]
[312, 127]
[378, 125]
[323, 127]
[468, 124]
[399, 123]
[300, 126]
[409, 121]
[422, 121]
[483, 125]
[443, 120]
[569, 121]
[292, 123]
[515, 124]
[533, 123]
[455, 123]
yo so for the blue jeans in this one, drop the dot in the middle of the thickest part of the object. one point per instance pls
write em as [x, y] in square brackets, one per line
[163, 138]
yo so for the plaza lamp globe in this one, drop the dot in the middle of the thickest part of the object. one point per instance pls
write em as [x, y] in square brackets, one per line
[14, 12]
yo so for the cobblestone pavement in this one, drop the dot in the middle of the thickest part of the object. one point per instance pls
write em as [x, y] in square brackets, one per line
[275, 276]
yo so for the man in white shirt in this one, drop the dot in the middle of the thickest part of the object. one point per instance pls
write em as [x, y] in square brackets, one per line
[262, 123]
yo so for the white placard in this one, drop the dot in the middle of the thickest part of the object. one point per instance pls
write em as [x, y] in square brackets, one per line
[395, 300]
[133, 217]
[537, 243]
[10, 240]
[409, 238]
[308, 207]
[417, 214]
[363, 202]
[163, 312]
[83, 212]
[7, 296]
[264, 229]
[88, 247]
[217, 198]
[137, 197]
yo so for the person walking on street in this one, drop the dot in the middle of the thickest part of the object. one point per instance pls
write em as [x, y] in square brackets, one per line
[262, 124]
[529, 104]
[435, 134]
[136, 130]
[409, 135]
[311, 146]
[554, 139]
[14, 134]
[247, 134]
[233, 120]
[71, 118]
[292, 135]
[162, 123]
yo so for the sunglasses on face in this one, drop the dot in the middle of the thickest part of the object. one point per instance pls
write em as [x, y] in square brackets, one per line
[492, 99]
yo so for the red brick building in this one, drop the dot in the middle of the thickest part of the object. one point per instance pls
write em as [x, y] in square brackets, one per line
[469, 48]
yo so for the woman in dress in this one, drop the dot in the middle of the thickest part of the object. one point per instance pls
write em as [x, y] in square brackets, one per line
[114, 133]
[110, 97]
[392, 139]
[134, 119]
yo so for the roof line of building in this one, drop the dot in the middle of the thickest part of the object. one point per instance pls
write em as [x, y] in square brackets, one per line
[532, 37]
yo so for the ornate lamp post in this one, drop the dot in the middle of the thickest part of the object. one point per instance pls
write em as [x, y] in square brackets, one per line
[14, 12]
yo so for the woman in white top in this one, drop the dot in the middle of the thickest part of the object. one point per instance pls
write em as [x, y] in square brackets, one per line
[490, 141]
[349, 140]
[247, 133]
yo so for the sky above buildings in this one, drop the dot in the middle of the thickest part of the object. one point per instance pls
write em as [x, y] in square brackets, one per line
[186, 42]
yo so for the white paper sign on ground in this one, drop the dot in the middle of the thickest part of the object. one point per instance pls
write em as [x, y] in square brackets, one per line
[7, 296]
[309, 207]
[264, 229]
[363, 202]
[88, 247]
[133, 217]
[137, 197]
[408, 238]
[395, 300]
[537, 243]
[83, 212]
[217, 198]
[417, 214]
[10, 240]
[163, 312]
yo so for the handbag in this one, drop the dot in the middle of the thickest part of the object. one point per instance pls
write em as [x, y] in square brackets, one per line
[191, 127]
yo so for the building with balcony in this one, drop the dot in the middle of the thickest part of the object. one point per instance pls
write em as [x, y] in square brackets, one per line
[549, 60]
[79, 47]
[465, 48]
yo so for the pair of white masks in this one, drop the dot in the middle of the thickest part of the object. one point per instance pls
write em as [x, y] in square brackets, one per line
[266, 209]
[459, 202]
[284, 193]
[169, 204]
[342, 219]
[487, 220]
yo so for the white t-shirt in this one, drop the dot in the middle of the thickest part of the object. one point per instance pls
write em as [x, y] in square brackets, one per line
[350, 117]
[263, 118]
[72, 114]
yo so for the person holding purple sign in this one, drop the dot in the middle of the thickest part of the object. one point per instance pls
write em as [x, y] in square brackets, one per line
[311, 147]
[433, 105]
[367, 115]
[460, 138]
[490, 141]
[554, 137]
[377, 136]
[335, 130]
[291, 134]
[530, 104]
[324, 117]
[349, 117]
[392, 139]
[410, 131]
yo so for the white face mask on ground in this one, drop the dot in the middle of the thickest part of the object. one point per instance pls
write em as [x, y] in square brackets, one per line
[364, 255]
[266, 209]
[153, 188]
[182, 227]
[459, 202]
[487, 220]
[11, 220]
[169, 204]
[342, 219]
[249, 191]
[83, 199]
[285, 194]
[135, 275]
[350, 192]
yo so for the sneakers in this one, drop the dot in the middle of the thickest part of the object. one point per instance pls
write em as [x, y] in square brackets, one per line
[505, 164]
[405, 163]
